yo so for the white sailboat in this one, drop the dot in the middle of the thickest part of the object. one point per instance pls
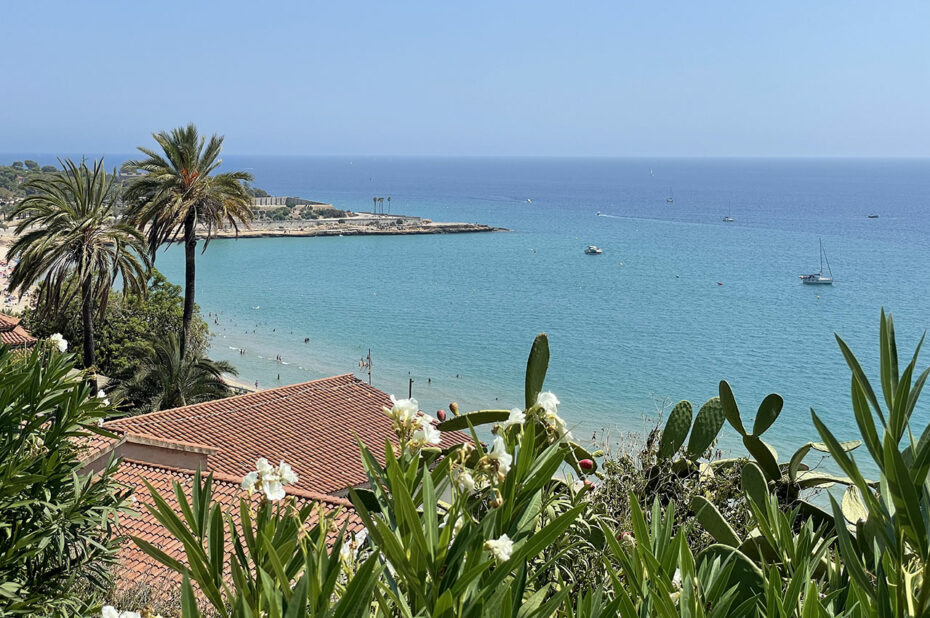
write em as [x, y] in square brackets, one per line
[670, 198]
[819, 278]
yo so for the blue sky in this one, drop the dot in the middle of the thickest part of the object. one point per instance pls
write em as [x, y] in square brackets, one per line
[677, 78]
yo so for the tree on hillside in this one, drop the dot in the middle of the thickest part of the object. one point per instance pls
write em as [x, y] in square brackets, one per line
[71, 242]
[180, 190]
[31, 165]
[170, 378]
[17, 165]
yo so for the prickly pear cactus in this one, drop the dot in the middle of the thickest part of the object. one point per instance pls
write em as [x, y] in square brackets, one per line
[676, 429]
[707, 425]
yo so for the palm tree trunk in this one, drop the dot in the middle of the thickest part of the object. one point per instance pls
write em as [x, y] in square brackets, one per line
[190, 246]
[87, 318]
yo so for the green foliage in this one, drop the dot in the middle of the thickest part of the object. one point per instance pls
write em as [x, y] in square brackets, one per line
[437, 522]
[168, 378]
[126, 333]
[888, 556]
[70, 240]
[57, 536]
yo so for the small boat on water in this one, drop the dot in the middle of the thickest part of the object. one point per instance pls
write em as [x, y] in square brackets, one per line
[593, 250]
[819, 278]
[728, 219]
[872, 216]
[671, 198]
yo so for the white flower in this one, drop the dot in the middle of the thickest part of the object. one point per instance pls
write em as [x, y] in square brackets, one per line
[109, 611]
[403, 410]
[500, 454]
[676, 579]
[465, 481]
[517, 417]
[62, 344]
[249, 481]
[427, 434]
[101, 394]
[345, 553]
[273, 489]
[269, 480]
[288, 476]
[501, 548]
[548, 402]
[263, 467]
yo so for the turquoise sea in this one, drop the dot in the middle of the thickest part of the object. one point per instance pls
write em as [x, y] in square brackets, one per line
[677, 301]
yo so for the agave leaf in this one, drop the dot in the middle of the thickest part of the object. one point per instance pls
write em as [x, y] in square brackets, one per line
[536, 366]
[707, 425]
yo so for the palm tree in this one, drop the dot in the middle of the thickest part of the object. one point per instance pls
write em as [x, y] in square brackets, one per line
[72, 242]
[168, 378]
[179, 191]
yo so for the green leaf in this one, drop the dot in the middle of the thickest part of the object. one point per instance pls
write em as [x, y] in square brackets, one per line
[768, 411]
[676, 429]
[763, 455]
[755, 485]
[481, 417]
[730, 409]
[715, 524]
[536, 366]
[707, 426]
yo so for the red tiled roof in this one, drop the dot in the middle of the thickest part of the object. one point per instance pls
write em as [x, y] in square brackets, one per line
[13, 334]
[135, 566]
[312, 426]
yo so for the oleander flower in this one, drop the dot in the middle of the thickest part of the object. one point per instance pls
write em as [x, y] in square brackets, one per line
[517, 417]
[499, 454]
[501, 548]
[59, 340]
[102, 395]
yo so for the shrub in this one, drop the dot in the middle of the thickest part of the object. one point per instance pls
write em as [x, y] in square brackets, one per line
[57, 538]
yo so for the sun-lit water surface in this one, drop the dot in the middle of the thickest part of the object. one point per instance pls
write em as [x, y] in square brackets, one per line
[678, 300]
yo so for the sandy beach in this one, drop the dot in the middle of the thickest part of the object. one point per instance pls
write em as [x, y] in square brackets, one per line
[11, 303]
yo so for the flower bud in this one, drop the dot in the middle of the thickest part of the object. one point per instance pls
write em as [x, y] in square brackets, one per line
[498, 500]
[586, 464]
[588, 484]
[441, 415]
[454, 408]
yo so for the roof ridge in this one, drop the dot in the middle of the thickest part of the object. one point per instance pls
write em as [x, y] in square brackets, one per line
[299, 389]
[237, 480]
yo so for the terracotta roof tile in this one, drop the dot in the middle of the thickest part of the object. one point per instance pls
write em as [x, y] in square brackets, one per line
[313, 426]
[136, 566]
[13, 334]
